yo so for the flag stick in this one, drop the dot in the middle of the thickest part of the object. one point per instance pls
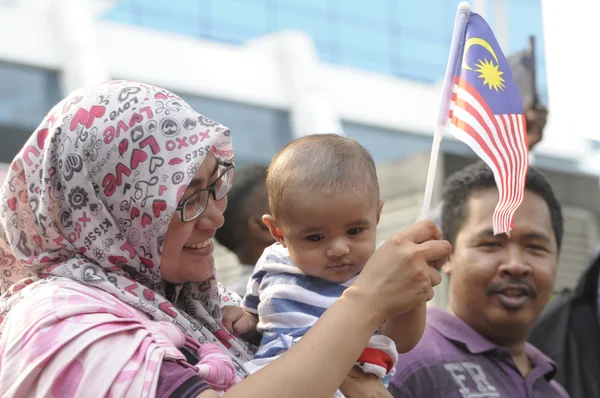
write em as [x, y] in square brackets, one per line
[460, 23]
[533, 72]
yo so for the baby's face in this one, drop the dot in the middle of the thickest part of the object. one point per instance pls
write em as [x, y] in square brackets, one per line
[333, 236]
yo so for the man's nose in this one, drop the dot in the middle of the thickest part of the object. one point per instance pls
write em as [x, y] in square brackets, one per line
[514, 263]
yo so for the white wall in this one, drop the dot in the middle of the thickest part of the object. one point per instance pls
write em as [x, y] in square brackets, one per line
[571, 32]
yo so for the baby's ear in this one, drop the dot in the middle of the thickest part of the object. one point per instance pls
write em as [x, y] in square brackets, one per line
[259, 230]
[447, 267]
[274, 228]
[379, 209]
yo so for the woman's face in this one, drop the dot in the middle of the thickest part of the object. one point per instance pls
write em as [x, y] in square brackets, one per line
[187, 254]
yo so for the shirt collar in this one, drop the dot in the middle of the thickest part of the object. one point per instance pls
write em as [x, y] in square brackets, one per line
[456, 330]
[539, 360]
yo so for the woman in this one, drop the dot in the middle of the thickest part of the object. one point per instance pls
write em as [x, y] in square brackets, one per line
[106, 263]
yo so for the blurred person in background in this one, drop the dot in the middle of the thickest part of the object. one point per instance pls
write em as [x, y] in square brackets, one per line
[568, 331]
[523, 68]
[498, 288]
[243, 231]
[536, 116]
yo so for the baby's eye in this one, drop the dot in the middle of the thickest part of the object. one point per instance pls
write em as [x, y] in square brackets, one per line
[314, 237]
[355, 231]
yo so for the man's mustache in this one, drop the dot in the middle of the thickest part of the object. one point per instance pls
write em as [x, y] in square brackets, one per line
[513, 283]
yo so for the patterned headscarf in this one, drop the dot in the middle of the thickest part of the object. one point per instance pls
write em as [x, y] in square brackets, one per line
[90, 196]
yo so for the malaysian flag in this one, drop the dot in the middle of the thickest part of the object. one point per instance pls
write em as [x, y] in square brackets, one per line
[487, 114]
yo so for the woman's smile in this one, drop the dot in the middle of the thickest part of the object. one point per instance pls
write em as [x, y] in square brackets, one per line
[203, 248]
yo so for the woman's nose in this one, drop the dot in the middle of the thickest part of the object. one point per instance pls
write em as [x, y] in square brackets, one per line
[212, 217]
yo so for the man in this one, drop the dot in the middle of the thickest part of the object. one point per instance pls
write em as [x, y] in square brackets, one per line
[536, 116]
[243, 231]
[498, 287]
[569, 332]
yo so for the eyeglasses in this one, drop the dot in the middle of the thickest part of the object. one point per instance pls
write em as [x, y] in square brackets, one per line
[192, 206]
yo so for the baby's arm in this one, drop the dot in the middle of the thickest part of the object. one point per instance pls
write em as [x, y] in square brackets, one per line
[406, 329]
[241, 323]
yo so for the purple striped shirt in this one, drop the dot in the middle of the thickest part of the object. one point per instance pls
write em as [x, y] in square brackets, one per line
[454, 361]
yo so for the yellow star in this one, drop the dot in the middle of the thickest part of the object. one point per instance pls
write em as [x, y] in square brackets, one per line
[490, 74]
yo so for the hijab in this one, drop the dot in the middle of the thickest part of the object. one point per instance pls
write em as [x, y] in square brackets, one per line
[90, 195]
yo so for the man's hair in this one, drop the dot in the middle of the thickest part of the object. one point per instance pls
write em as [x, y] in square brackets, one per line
[478, 176]
[248, 182]
[325, 163]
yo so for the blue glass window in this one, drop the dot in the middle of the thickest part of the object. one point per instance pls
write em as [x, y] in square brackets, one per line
[405, 39]
[26, 96]
[258, 133]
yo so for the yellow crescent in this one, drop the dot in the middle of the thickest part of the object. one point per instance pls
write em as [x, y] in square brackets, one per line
[476, 41]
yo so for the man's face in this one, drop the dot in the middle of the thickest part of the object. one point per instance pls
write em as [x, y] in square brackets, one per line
[499, 285]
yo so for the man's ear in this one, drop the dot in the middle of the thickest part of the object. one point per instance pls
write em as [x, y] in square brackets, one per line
[379, 209]
[259, 230]
[274, 228]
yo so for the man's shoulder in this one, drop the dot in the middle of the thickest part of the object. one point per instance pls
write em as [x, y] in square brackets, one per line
[559, 389]
[442, 366]
[436, 367]
[432, 348]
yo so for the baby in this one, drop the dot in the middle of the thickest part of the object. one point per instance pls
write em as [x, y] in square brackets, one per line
[325, 207]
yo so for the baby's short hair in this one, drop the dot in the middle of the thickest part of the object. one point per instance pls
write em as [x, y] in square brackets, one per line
[325, 163]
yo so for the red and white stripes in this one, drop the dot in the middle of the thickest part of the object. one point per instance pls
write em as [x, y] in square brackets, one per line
[500, 140]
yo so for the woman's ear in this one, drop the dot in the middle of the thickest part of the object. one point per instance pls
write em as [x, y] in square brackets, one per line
[259, 230]
[274, 228]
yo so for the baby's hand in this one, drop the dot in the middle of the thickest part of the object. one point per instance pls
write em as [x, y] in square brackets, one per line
[237, 321]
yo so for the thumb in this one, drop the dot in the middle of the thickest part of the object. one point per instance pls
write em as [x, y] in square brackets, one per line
[228, 320]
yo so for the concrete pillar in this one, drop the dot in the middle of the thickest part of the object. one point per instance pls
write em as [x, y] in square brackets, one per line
[501, 25]
[75, 27]
[568, 44]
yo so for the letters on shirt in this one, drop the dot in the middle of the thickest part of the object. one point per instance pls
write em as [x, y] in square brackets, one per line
[471, 380]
